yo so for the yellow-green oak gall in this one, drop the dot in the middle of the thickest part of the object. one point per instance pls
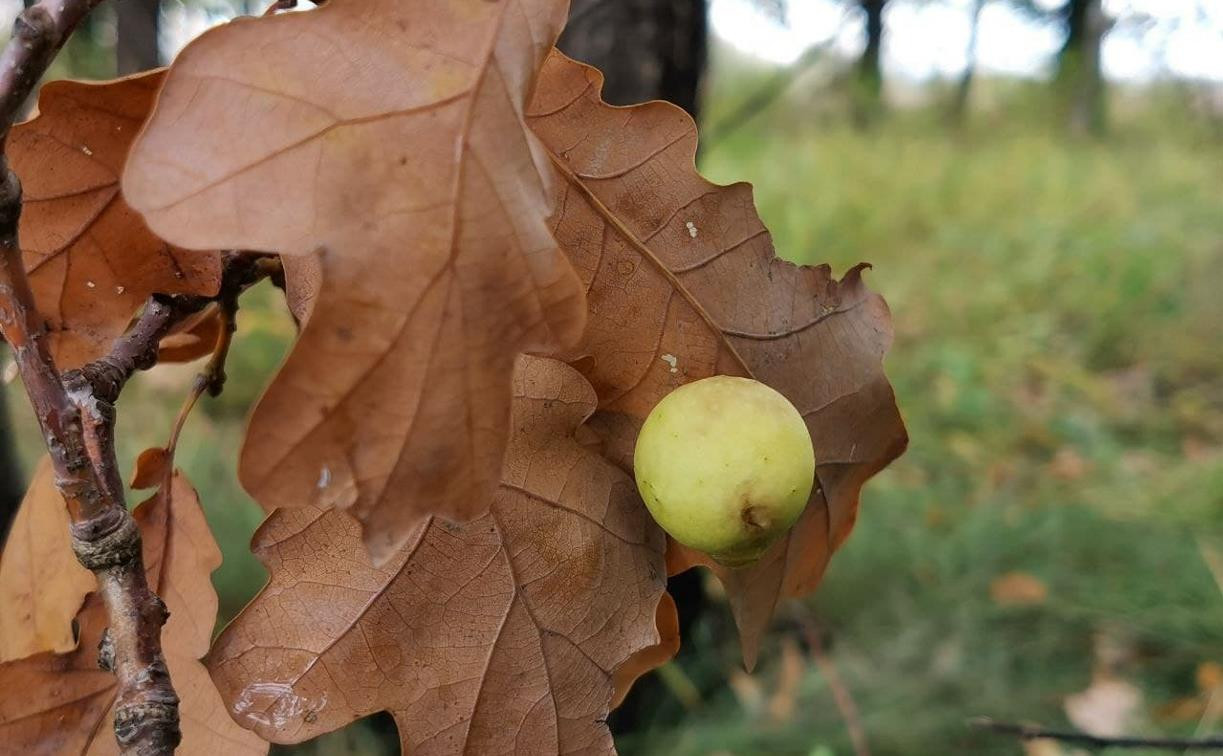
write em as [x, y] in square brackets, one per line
[725, 466]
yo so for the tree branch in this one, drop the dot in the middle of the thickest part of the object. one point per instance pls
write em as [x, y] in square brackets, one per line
[137, 349]
[1036, 732]
[76, 414]
[38, 34]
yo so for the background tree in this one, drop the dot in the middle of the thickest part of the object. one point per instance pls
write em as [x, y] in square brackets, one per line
[647, 49]
[869, 87]
[963, 90]
[138, 27]
[1079, 74]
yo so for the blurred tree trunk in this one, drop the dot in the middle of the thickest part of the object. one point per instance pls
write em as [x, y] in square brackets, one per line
[138, 22]
[959, 106]
[1079, 75]
[647, 49]
[868, 86]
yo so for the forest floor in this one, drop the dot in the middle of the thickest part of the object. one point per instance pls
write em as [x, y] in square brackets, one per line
[1044, 550]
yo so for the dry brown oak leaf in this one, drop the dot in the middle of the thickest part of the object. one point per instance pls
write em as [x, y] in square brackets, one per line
[91, 259]
[42, 586]
[389, 138]
[193, 338]
[683, 283]
[495, 636]
[65, 702]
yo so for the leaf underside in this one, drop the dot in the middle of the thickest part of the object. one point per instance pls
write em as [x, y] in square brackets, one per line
[422, 196]
[67, 702]
[92, 261]
[42, 586]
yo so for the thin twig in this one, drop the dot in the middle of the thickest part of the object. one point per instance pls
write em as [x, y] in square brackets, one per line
[211, 379]
[1036, 732]
[840, 691]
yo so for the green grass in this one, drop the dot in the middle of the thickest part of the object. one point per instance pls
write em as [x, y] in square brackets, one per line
[1058, 308]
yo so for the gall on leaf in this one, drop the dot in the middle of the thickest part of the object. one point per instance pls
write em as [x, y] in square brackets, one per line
[388, 139]
[683, 283]
[497, 635]
[42, 586]
[67, 701]
[91, 260]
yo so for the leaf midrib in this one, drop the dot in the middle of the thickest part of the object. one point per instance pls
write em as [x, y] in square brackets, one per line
[644, 250]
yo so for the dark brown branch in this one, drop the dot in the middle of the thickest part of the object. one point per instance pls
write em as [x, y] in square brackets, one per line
[1036, 732]
[24, 329]
[76, 414]
[137, 349]
[38, 34]
[79, 433]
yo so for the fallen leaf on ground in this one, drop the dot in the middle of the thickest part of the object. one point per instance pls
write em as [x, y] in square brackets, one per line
[748, 690]
[1107, 708]
[66, 705]
[1044, 747]
[1209, 676]
[1068, 464]
[683, 283]
[1018, 589]
[783, 704]
[492, 636]
[397, 153]
[42, 586]
[91, 259]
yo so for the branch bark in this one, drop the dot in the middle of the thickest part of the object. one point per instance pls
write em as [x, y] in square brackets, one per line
[76, 414]
[137, 349]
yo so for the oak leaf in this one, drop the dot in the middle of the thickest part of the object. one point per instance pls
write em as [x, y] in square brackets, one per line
[389, 139]
[42, 586]
[151, 468]
[193, 338]
[648, 659]
[683, 283]
[501, 634]
[66, 702]
[91, 259]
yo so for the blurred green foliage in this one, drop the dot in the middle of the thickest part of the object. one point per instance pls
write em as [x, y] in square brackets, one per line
[1058, 358]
